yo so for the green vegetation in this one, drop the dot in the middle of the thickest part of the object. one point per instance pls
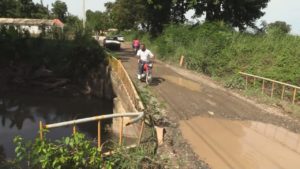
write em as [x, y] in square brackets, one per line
[75, 59]
[79, 152]
[218, 50]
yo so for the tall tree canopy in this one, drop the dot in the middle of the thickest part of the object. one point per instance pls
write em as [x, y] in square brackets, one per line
[154, 14]
[22, 9]
[238, 13]
[60, 9]
[98, 21]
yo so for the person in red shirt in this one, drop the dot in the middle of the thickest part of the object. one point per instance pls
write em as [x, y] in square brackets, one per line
[136, 45]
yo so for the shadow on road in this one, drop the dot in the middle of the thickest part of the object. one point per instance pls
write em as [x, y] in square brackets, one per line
[157, 81]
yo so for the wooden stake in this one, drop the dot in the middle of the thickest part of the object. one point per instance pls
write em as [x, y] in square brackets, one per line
[254, 81]
[141, 132]
[294, 95]
[99, 134]
[282, 92]
[272, 91]
[181, 61]
[41, 130]
[121, 132]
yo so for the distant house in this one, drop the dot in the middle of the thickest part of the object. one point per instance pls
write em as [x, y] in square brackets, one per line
[33, 26]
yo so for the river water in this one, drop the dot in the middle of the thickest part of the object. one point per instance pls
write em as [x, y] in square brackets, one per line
[20, 115]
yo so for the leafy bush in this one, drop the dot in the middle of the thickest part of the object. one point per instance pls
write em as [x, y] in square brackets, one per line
[70, 152]
[79, 152]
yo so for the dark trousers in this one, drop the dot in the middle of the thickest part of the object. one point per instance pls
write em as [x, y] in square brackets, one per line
[141, 67]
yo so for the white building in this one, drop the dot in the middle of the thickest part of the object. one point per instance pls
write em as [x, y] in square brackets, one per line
[33, 26]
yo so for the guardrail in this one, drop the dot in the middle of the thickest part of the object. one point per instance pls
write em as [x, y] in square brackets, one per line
[139, 115]
[294, 88]
[118, 68]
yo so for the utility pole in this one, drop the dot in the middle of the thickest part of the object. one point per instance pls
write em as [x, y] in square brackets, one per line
[84, 13]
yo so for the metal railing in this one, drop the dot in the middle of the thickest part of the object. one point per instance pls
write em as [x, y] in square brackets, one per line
[294, 88]
[138, 115]
[119, 69]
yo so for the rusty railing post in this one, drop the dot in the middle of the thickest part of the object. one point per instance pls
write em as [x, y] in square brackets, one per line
[246, 82]
[263, 86]
[141, 132]
[282, 92]
[121, 132]
[74, 129]
[254, 81]
[294, 95]
[99, 134]
[41, 130]
[272, 90]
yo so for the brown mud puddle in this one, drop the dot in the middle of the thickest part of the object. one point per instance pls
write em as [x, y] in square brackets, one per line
[227, 144]
[188, 84]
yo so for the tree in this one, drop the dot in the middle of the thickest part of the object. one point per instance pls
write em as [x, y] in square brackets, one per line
[180, 7]
[158, 14]
[238, 13]
[280, 25]
[8, 8]
[97, 21]
[59, 9]
[25, 8]
[150, 14]
[126, 14]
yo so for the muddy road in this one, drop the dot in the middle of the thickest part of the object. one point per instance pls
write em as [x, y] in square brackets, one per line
[223, 129]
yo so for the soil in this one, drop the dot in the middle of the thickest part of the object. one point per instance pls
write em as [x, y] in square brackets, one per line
[190, 95]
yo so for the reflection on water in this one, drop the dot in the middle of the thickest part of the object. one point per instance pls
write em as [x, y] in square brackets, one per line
[20, 115]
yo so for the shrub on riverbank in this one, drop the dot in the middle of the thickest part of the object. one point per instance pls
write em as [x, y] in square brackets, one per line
[79, 152]
[218, 50]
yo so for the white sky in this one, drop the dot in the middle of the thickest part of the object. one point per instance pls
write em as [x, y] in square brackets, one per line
[283, 10]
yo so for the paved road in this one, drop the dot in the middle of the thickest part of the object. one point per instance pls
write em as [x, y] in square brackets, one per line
[206, 113]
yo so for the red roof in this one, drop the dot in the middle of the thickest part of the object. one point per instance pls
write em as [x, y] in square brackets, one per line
[57, 22]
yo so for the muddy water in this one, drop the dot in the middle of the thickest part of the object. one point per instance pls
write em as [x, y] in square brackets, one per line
[20, 115]
[226, 144]
[188, 84]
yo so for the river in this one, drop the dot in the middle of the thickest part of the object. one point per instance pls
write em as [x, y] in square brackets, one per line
[20, 115]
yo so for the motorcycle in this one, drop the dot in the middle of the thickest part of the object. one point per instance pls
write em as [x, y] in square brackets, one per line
[147, 73]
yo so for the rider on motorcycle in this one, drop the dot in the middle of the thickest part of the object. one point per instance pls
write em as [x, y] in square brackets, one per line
[136, 45]
[144, 55]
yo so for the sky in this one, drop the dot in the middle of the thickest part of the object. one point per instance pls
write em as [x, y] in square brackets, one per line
[283, 10]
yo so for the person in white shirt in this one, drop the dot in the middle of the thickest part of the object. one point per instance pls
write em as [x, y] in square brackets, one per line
[144, 56]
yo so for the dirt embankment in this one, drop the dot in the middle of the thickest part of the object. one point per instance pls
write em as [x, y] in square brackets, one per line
[26, 78]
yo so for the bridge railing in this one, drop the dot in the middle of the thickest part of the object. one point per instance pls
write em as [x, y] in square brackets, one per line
[264, 80]
[120, 71]
[138, 116]
[122, 74]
